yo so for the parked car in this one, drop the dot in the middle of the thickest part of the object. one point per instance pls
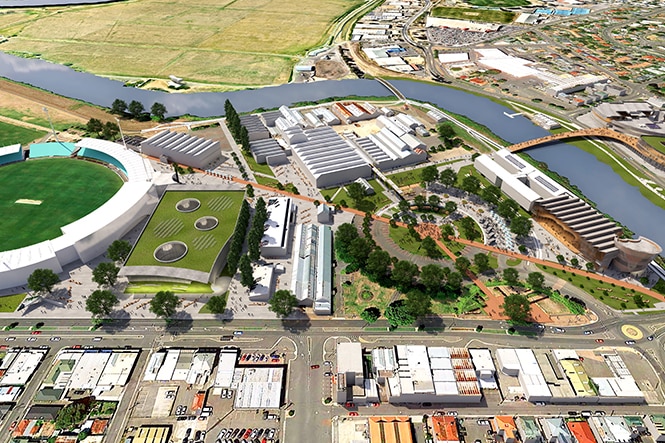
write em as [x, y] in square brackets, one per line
[328, 374]
[353, 414]
[97, 339]
[588, 332]
[32, 339]
[237, 332]
[600, 340]
[54, 339]
[630, 342]
[315, 367]
[650, 338]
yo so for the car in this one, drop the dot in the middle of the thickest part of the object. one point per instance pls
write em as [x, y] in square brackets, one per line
[586, 414]
[328, 374]
[32, 339]
[587, 332]
[540, 403]
[13, 425]
[221, 433]
[54, 339]
[650, 338]
[224, 391]
[559, 330]
[247, 433]
[237, 332]
[197, 435]
[630, 342]
[88, 347]
[254, 433]
[353, 414]
[599, 413]
[314, 367]
[191, 417]
[452, 413]
[76, 347]
[327, 363]
[36, 332]
[349, 404]
[600, 340]
[97, 339]
[572, 413]
[181, 418]
[10, 338]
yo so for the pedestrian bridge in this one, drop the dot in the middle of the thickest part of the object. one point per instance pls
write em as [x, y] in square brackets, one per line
[637, 145]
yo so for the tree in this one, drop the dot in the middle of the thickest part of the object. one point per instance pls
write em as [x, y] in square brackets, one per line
[250, 191]
[164, 304]
[398, 314]
[431, 277]
[462, 264]
[447, 230]
[491, 194]
[516, 307]
[94, 126]
[434, 200]
[445, 130]
[71, 415]
[359, 250]
[507, 208]
[590, 266]
[574, 262]
[450, 207]
[371, 314]
[355, 191]
[470, 184]
[639, 301]
[404, 272]
[430, 247]
[469, 228]
[521, 226]
[377, 264]
[217, 304]
[100, 303]
[282, 303]
[246, 272]
[105, 273]
[482, 262]
[42, 280]
[345, 234]
[118, 107]
[448, 177]
[454, 281]
[511, 276]
[418, 303]
[429, 174]
[419, 200]
[136, 108]
[158, 110]
[535, 280]
[119, 250]
[109, 131]
[404, 205]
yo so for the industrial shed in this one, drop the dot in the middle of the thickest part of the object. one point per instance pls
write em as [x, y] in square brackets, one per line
[255, 127]
[329, 159]
[183, 149]
[268, 151]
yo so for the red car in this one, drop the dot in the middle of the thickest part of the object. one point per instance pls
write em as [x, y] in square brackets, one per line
[247, 433]
[600, 340]
[314, 367]
[36, 332]
[353, 414]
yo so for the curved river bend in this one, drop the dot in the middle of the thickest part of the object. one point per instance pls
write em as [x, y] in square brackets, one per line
[597, 180]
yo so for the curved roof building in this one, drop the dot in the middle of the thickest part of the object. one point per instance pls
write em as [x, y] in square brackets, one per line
[635, 254]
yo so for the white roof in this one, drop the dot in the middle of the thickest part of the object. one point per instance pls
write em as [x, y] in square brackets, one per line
[135, 166]
[277, 223]
[22, 367]
[225, 368]
[482, 359]
[349, 358]
[118, 369]
[11, 149]
[154, 364]
[263, 281]
[165, 372]
[452, 57]
[259, 388]
[201, 368]
[88, 370]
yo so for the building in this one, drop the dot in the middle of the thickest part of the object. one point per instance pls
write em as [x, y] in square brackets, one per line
[277, 233]
[610, 429]
[635, 254]
[505, 428]
[324, 214]
[311, 281]
[18, 365]
[555, 430]
[529, 430]
[183, 149]
[258, 387]
[264, 283]
[256, 130]
[268, 151]
[152, 434]
[581, 431]
[350, 372]
[655, 424]
[444, 429]
[390, 430]
[11, 154]
[485, 369]
[351, 112]
[226, 367]
[522, 363]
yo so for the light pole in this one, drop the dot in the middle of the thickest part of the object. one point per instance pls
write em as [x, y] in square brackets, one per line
[45, 109]
[121, 134]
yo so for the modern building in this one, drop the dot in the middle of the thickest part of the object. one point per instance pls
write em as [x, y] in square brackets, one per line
[522, 363]
[277, 233]
[635, 254]
[256, 130]
[183, 149]
[485, 369]
[268, 151]
[324, 214]
[311, 281]
[264, 283]
[18, 365]
[226, 367]
[11, 154]
[258, 387]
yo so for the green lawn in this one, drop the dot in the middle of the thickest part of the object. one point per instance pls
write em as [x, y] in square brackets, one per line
[613, 298]
[11, 134]
[265, 181]
[476, 15]
[406, 178]
[9, 303]
[68, 189]
[498, 3]
[149, 287]
[370, 203]
[254, 166]
[363, 293]
[513, 261]
[168, 224]
[493, 263]
[658, 143]
[405, 241]
[206, 310]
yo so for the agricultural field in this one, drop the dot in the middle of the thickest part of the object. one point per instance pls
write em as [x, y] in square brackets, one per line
[498, 3]
[234, 43]
[44, 195]
[476, 15]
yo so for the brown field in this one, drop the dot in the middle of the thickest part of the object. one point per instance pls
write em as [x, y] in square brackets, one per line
[243, 42]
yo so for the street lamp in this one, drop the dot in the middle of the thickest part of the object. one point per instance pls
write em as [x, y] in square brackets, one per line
[121, 134]
[45, 109]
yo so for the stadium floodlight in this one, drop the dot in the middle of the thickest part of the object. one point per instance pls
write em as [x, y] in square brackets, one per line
[121, 134]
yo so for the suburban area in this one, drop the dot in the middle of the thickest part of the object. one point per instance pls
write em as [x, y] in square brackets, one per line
[389, 221]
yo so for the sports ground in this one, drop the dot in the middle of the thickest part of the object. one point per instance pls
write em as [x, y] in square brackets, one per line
[476, 15]
[232, 42]
[37, 197]
[168, 224]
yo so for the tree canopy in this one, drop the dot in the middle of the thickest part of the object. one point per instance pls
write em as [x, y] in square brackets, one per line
[217, 304]
[398, 314]
[355, 191]
[448, 177]
[282, 303]
[521, 226]
[164, 304]
[378, 264]
[371, 314]
[482, 262]
[100, 303]
[246, 272]
[536, 280]
[432, 277]
[42, 280]
[403, 273]
[119, 250]
[429, 174]
[516, 307]
[418, 303]
[136, 109]
[158, 110]
[445, 130]
[510, 276]
[470, 184]
[105, 274]
[118, 107]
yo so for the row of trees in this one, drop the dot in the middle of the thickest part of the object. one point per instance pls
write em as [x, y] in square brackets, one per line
[235, 250]
[238, 131]
[136, 110]
[105, 131]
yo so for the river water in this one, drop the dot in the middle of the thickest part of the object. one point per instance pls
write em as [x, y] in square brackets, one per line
[596, 180]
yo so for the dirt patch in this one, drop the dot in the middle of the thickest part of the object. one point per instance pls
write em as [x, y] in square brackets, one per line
[551, 307]
[331, 69]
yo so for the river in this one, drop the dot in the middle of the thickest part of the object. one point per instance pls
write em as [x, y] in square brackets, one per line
[596, 179]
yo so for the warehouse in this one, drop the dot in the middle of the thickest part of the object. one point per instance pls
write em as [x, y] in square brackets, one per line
[259, 388]
[256, 130]
[18, 365]
[277, 232]
[268, 151]
[183, 149]
[226, 368]
[504, 179]
[328, 159]
[388, 151]
[311, 281]
[522, 363]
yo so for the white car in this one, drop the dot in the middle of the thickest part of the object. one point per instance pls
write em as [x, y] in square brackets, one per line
[10, 338]
[97, 339]
[31, 339]
[54, 339]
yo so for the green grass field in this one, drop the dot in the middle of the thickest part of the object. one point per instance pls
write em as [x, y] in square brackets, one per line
[406, 178]
[9, 303]
[476, 15]
[147, 287]
[11, 134]
[236, 43]
[370, 203]
[68, 189]
[168, 224]
[658, 143]
[498, 3]
[405, 241]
